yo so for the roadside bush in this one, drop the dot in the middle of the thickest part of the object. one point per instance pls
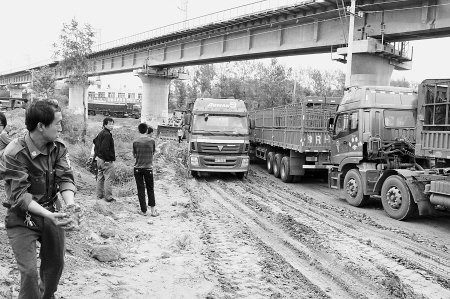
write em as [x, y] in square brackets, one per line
[125, 134]
[72, 125]
[16, 122]
[123, 172]
[79, 153]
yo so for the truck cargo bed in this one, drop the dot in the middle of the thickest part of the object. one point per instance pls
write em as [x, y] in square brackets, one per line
[433, 126]
[434, 144]
[301, 127]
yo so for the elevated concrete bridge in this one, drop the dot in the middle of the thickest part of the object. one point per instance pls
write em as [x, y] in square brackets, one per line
[300, 28]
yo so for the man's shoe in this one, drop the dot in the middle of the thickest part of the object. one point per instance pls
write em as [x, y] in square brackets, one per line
[110, 199]
[142, 213]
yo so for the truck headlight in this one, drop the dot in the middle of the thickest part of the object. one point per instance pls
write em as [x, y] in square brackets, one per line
[194, 161]
[244, 162]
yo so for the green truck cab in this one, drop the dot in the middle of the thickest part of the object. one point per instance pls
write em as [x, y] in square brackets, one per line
[218, 136]
[379, 136]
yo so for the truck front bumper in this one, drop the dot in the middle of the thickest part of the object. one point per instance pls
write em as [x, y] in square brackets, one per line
[211, 163]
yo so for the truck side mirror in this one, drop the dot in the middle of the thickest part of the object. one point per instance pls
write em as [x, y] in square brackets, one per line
[252, 124]
[330, 124]
[187, 119]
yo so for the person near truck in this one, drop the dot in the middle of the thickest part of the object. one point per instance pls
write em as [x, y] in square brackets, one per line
[143, 150]
[105, 156]
[35, 168]
[4, 138]
[180, 134]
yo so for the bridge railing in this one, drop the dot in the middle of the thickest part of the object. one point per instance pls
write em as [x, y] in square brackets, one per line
[28, 66]
[220, 16]
[216, 17]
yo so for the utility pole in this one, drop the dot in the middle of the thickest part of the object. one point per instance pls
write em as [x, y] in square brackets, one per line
[351, 30]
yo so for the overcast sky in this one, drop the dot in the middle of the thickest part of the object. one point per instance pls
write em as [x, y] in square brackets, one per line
[29, 28]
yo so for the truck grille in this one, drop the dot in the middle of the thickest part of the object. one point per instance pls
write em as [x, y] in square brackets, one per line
[231, 162]
[219, 148]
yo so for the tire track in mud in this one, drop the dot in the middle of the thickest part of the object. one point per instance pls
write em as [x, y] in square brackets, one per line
[243, 269]
[386, 251]
[433, 258]
[322, 191]
[437, 252]
[233, 261]
[293, 252]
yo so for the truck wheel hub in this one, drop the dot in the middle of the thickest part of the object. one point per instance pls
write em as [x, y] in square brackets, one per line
[394, 198]
[352, 188]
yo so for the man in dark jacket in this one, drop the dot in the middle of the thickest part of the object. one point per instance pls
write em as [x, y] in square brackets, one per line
[35, 168]
[105, 154]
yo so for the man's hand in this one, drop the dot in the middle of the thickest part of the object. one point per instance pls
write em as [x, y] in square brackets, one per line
[72, 217]
[59, 219]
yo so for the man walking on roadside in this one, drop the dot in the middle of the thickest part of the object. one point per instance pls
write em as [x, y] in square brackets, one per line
[143, 151]
[180, 134]
[35, 168]
[105, 154]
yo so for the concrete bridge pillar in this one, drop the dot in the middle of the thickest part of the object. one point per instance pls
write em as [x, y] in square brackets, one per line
[368, 69]
[76, 95]
[372, 62]
[155, 95]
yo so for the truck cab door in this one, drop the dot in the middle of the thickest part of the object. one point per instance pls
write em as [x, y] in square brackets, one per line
[345, 138]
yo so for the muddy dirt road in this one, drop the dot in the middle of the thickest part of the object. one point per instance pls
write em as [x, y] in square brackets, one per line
[220, 237]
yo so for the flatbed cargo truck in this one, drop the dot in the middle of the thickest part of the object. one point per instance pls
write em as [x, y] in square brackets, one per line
[293, 139]
[114, 109]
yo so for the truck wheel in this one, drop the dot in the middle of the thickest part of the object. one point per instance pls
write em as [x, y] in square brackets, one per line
[354, 190]
[269, 161]
[396, 198]
[285, 170]
[277, 165]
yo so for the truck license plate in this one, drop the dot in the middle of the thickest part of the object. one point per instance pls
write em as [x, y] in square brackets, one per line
[220, 160]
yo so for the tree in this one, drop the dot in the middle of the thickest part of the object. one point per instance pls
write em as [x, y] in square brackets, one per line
[323, 83]
[74, 46]
[204, 76]
[274, 86]
[43, 82]
[180, 93]
[400, 83]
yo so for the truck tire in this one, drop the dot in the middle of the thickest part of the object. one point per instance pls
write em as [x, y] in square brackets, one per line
[269, 161]
[285, 170]
[277, 165]
[396, 198]
[353, 189]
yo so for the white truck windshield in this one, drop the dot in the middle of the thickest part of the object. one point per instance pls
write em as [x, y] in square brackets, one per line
[227, 124]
